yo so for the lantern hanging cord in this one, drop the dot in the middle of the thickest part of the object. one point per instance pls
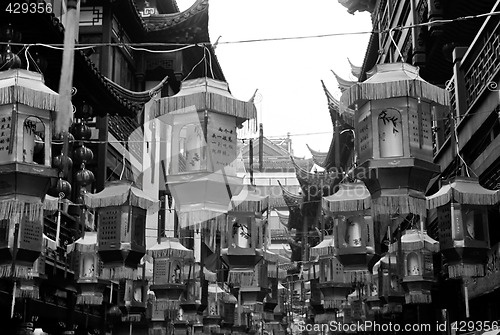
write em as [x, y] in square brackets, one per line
[141, 46]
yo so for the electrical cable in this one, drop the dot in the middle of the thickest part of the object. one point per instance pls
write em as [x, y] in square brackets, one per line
[82, 46]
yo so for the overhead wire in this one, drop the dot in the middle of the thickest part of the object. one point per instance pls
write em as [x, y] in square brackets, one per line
[141, 46]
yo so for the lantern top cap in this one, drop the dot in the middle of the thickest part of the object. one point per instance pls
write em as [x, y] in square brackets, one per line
[415, 239]
[393, 80]
[383, 73]
[28, 89]
[118, 193]
[349, 197]
[24, 78]
[465, 191]
[205, 94]
[87, 242]
[169, 247]
[204, 84]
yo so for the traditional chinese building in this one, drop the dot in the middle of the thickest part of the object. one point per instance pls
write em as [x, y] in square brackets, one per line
[114, 81]
[454, 54]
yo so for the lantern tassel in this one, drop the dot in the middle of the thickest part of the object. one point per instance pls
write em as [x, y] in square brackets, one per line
[418, 298]
[465, 270]
[118, 273]
[243, 277]
[89, 299]
[20, 271]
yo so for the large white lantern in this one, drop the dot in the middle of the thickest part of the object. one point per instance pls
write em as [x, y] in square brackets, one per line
[201, 127]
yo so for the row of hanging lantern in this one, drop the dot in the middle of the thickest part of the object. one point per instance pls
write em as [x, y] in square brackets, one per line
[27, 110]
[201, 122]
[244, 252]
[394, 144]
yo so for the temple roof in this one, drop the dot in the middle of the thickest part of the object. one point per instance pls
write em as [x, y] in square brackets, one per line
[293, 201]
[343, 83]
[355, 70]
[344, 115]
[318, 184]
[358, 5]
[318, 157]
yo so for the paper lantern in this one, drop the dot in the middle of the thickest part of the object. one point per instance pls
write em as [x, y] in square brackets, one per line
[333, 283]
[90, 286]
[462, 207]
[418, 269]
[243, 244]
[202, 120]
[388, 282]
[171, 263]
[394, 139]
[121, 216]
[132, 296]
[21, 225]
[354, 227]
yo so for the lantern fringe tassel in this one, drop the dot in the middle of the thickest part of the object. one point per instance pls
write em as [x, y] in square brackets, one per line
[118, 273]
[32, 211]
[29, 97]
[20, 271]
[465, 191]
[418, 298]
[332, 303]
[242, 277]
[324, 248]
[393, 89]
[203, 219]
[465, 270]
[206, 100]
[89, 299]
[166, 304]
[33, 292]
[403, 204]
[170, 253]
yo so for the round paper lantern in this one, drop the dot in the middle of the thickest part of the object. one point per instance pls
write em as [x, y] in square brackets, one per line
[62, 162]
[83, 154]
[81, 131]
[84, 176]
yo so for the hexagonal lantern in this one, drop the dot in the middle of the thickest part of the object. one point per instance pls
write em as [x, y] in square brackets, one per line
[27, 109]
[354, 232]
[394, 138]
[462, 206]
[87, 271]
[418, 268]
[202, 120]
[243, 245]
[333, 282]
[171, 262]
[388, 283]
[121, 217]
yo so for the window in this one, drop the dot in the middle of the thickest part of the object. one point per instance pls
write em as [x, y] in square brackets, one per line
[33, 140]
[191, 149]
[390, 133]
[413, 264]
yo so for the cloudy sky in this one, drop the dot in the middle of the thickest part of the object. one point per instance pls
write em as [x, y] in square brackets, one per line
[287, 73]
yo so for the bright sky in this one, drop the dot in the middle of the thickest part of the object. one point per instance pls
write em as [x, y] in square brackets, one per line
[287, 74]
